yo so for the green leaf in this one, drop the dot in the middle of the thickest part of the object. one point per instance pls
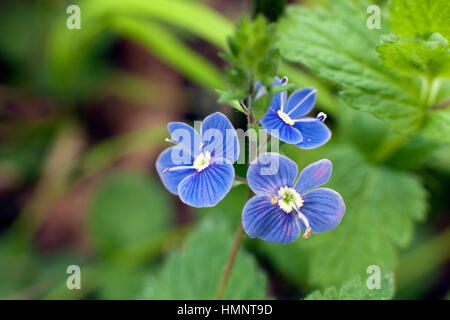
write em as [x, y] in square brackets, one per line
[356, 289]
[429, 57]
[127, 210]
[195, 271]
[420, 18]
[339, 47]
[381, 207]
[231, 98]
[437, 126]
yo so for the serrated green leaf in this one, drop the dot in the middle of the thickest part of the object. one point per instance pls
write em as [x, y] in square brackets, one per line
[339, 47]
[126, 210]
[381, 207]
[195, 271]
[420, 18]
[356, 289]
[231, 98]
[424, 57]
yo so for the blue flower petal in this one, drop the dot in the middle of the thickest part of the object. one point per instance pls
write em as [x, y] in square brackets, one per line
[276, 127]
[266, 221]
[171, 179]
[279, 99]
[220, 137]
[186, 136]
[324, 209]
[300, 102]
[314, 175]
[269, 172]
[315, 133]
[207, 187]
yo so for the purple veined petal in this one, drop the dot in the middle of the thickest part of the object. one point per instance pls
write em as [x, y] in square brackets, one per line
[281, 130]
[279, 99]
[171, 179]
[185, 136]
[268, 222]
[260, 90]
[301, 102]
[207, 187]
[315, 133]
[220, 137]
[324, 209]
[269, 172]
[314, 175]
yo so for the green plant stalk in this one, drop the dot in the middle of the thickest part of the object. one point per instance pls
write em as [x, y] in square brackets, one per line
[240, 232]
[230, 263]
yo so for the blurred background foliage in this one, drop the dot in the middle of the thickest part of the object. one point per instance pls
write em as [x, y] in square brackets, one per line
[83, 115]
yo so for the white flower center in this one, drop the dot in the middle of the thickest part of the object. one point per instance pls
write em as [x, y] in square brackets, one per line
[202, 161]
[290, 199]
[285, 118]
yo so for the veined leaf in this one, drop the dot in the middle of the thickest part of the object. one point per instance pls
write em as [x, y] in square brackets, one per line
[339, 47]
[429, 57]
[356, 289]
[195, 272]
[420, 18]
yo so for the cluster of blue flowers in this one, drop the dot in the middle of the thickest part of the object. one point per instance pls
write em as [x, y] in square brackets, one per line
[199, 169]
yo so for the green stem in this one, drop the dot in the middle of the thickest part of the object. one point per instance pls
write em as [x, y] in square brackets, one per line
[240, 232]
[230, 263]
[240, 179]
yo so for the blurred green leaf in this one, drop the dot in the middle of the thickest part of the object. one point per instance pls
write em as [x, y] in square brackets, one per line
[118, 282]
[420, 18]
[356, 289]
[127, 209]
[195, 271]
[339, 47]
[169, 49]
[437, 126]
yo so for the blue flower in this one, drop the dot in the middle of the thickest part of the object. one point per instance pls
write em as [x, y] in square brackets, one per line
[281, 208]
[199, 168]
[286, 121]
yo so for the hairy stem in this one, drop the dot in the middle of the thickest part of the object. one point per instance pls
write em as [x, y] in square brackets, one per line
[240, 179]
[441, 105]
[230, 263]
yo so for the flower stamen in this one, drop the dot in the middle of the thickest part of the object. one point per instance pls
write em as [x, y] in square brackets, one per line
[308, 229]
[288, 199]
[321, 116]
[202, 161]
[274, 200]
[286, 119]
